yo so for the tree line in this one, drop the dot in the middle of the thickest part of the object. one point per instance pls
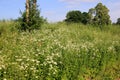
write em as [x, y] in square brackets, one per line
[98, 16]
[30, 19]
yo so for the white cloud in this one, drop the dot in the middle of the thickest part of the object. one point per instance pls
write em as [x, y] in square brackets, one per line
[77, 1]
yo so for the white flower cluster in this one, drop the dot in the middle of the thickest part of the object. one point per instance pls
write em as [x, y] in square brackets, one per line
[51, 63]
[2, 64]
[111, 49]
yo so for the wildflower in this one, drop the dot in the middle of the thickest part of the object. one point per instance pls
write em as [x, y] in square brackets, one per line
[36, 54]
[2, 67]
[36, 76]
[22, 68]
[4, 72]
[4, 79]
[27, 59]
[33, 60]
[39, 53]
[24, 57]
[38, 50]
[55, 63]
[111, 48]
[37, 62]
[54, 73]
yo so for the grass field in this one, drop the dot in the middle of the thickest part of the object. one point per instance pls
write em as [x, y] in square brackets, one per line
[60, 51]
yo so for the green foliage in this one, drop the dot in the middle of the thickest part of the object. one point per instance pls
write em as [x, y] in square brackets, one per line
[77, 17]
[74, 16]
[118, 21]
[91, 13]
[60, 52]
[99, 15]
[85, 18]
[102, 16]
[35, 20]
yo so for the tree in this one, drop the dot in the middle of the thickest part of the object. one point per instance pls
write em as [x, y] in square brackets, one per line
[99, 15]
[91, 14]
[118, 21]
[102, 17]
[85, 18]
[74, 16]
[30, 18]
[77, 17]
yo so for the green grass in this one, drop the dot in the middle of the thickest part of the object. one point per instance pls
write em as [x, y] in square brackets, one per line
[60, 51]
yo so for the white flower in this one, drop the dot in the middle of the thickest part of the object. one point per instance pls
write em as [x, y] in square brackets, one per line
[24, 57]
[55, 63]
[36, 76]
[37, 62]
[33, 60]
[4, 79]
[27, 59]
[38, 50]
[18, 60]
[21, 67]
[111, 48]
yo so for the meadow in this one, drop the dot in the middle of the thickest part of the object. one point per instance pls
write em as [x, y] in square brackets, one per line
[60, 51]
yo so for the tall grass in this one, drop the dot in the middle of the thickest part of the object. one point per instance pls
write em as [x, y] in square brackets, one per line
[60, 51]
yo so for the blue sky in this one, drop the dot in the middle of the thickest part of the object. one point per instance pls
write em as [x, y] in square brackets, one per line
[55, 10]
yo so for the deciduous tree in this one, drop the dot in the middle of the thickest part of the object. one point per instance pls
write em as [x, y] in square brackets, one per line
[91, 14]
[102, 17]
[99, 15]
[74, 16]
[118, 21]
[85, 18]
